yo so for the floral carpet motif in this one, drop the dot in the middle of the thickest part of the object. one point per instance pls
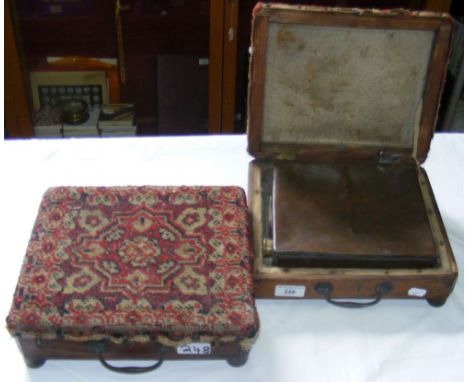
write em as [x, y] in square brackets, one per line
[137, 263]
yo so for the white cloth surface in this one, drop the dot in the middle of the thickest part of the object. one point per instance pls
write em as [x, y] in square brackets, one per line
[300, 340]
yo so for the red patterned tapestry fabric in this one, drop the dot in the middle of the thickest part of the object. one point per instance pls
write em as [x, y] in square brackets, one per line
[137, 262]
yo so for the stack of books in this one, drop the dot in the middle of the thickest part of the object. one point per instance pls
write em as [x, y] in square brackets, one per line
[85, 129]
[47, 123]
[117, 120]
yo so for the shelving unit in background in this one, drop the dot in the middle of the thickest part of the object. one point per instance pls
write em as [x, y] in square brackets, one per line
[218, 30]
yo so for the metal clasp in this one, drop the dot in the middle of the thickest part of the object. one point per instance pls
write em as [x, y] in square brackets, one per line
[387, 158]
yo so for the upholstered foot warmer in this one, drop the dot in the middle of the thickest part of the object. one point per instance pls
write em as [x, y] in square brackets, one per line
[137, 273]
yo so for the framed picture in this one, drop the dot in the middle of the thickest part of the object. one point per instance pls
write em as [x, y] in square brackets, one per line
[51, 88]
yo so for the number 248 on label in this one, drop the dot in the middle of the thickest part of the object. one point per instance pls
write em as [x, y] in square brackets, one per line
[195, 348]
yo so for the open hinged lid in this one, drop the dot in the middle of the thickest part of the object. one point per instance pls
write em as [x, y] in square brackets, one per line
[333, 82]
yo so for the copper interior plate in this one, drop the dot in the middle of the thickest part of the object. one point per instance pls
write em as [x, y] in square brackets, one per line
[350, 214]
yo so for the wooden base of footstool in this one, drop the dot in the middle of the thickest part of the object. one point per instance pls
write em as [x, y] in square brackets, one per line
[36, 352]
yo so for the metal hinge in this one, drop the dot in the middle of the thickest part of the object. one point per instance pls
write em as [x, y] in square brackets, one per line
[285, 156]
[388, 158]
[267, 246]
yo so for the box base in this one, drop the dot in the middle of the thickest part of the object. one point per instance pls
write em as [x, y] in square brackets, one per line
[432, 284]
[36, 352]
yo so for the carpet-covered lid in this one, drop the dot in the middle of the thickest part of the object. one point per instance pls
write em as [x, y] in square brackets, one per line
[138, 263]
[347, 82]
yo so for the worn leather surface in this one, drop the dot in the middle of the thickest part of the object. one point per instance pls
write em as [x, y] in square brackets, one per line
[350, 214]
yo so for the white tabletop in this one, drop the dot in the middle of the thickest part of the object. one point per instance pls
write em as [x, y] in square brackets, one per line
[396, 340]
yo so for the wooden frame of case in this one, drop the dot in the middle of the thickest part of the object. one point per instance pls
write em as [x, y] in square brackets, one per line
[332, 17]
[432, 284]
[349, 283]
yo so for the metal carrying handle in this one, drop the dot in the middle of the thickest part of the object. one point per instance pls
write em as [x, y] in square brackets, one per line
[324, 289]
[99, 347]
[130, 369]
